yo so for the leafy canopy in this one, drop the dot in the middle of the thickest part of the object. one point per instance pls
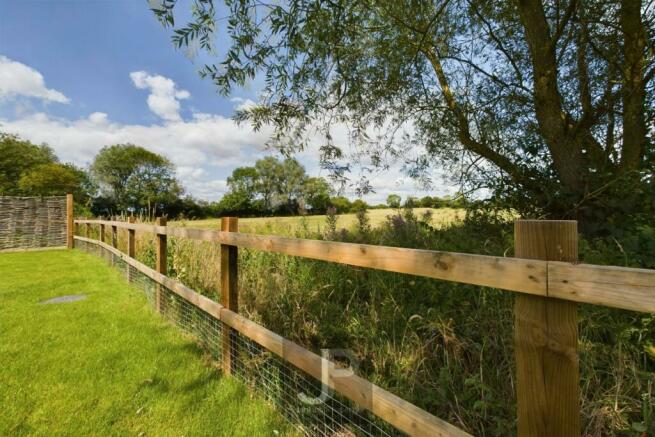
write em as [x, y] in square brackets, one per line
[393, 201]
[18, 157]
[275, 186]
[54, 179]
[135, 178]
[544, 103]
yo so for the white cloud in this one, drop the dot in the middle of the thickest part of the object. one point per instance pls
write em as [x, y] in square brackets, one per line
[201, 183]
[191, 172]
[164, 95]
[98, 118]
[393, 181]
[18, 79]
[205, 149]
[242, 104]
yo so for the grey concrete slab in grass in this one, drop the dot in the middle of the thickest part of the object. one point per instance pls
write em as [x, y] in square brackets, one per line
[64, 299]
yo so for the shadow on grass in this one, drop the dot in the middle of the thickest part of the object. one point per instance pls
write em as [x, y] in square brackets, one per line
[202, 382]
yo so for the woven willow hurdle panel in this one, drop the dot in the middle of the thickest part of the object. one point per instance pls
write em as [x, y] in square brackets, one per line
[32, 222]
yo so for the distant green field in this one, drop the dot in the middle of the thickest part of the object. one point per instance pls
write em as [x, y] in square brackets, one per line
[289, 225]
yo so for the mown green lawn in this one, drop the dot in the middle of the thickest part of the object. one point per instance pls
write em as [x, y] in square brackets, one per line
[107, 365]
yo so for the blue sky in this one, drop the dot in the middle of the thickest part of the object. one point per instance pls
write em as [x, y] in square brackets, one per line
[82, 74]
[86, 49]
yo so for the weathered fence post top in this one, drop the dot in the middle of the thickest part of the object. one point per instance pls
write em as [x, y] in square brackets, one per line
[546, 338]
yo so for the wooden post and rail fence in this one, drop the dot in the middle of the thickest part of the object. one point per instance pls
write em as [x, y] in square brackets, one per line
[161, 256]
[545, 275]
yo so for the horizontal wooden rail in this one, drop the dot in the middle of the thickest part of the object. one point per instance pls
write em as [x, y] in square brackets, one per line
[513, 274]
[618, 287]
[125, 225]
[527, 276]
[394, 410]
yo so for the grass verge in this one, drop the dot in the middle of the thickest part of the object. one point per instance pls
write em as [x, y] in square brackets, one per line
[107, 364]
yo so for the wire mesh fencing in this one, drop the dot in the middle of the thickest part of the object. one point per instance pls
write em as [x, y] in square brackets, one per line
[32, 222]
[312, 407]
[306, 402]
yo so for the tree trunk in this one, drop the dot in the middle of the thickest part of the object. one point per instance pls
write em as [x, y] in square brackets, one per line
[554, 123]
[634, 86]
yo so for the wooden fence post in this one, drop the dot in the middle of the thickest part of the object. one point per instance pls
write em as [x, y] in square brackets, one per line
[229, 290]
[102, 229]
[131, 234]
[546, 338]
[162, 254]
[69, 221]
[88, 229]
[114, 238]
[114, 235]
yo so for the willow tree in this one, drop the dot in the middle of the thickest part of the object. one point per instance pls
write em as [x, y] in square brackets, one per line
[546, 104]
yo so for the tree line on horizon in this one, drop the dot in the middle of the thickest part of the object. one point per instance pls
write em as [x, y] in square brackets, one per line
[129, 179]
